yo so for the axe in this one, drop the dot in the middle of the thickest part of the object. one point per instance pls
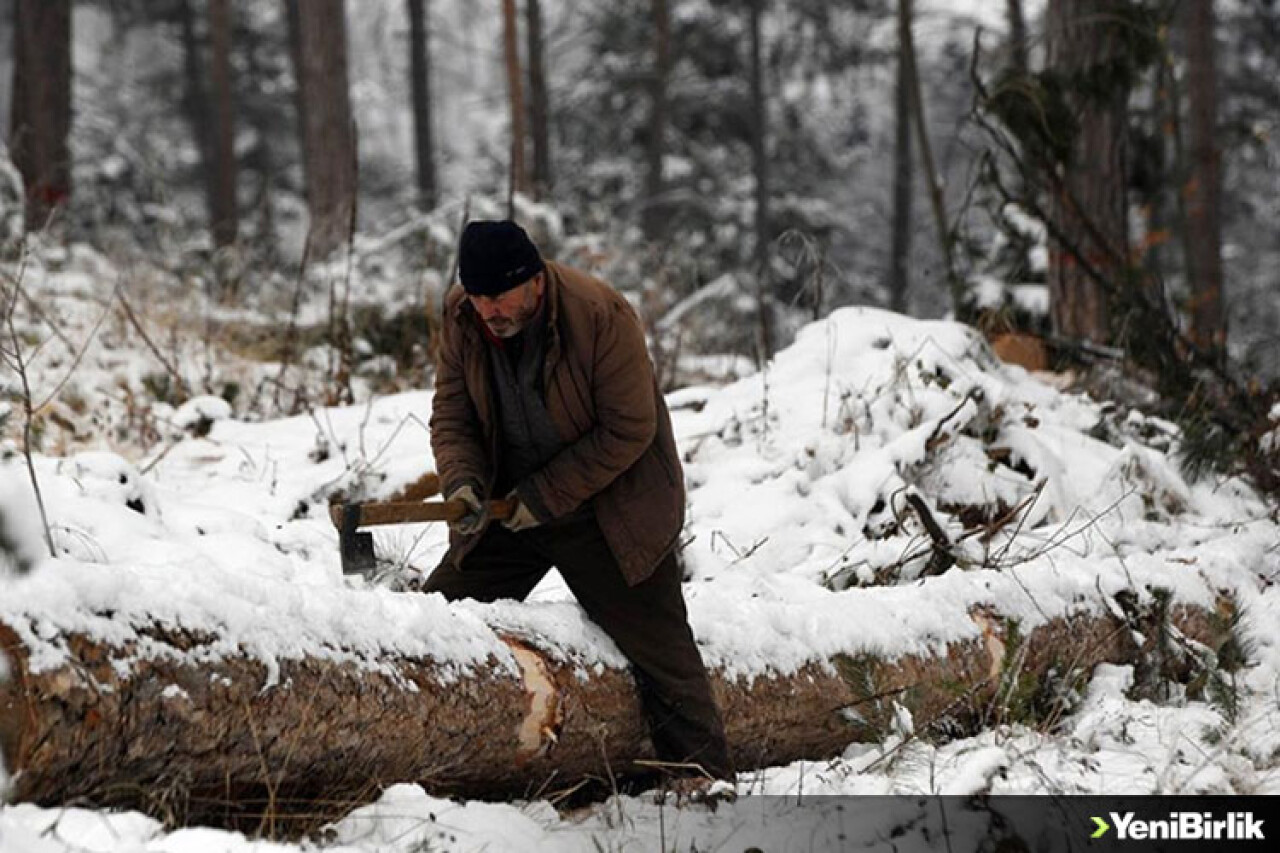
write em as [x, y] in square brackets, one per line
[356, 548]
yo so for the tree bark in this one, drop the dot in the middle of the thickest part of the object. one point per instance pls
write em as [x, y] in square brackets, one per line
[195, 101]
[937, 198]
[655, 217]
[760, 169]
[1204, 188]
[539, 132]
[1089, 204]
[759, 131]
[900, 239]
[222, 176]
[327, 130]
[173, 722]
[6, 65]
[41, 111]
[519, 176]
[420, 85]
[1018, 43]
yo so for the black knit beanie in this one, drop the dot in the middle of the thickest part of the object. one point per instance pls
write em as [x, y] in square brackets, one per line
[496, 256]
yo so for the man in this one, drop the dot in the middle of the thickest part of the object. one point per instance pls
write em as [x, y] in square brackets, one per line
[545, 394]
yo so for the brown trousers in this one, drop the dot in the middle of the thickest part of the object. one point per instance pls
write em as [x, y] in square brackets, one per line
[648, 621]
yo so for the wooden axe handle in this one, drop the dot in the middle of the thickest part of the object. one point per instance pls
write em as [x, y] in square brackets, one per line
[404, 512]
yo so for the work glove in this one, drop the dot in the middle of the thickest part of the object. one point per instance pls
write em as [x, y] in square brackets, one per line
[477, 511]
[523, 517]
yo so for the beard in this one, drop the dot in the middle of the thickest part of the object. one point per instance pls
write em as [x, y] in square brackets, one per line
[511, 325]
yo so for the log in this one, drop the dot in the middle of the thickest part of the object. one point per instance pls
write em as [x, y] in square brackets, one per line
[194, 736]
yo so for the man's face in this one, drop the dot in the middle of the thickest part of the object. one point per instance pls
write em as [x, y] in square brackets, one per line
[507, 313]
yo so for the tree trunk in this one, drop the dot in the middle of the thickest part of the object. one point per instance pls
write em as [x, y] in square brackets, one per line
[518, 178]
[760, 168]
[937, 199]
[173, 721]
[1018, 50]
[538, 107]
[222, 176]
[759, 130]
[1089, 203]
[260, 160]
[6, 66]
[655, 216]
[1204, 186]
[327, 130]
[294, 25]
[195, 101]
[900, 241]
[420, 85]
[41, 112]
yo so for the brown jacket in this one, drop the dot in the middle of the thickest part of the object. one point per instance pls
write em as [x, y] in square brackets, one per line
[602, 395]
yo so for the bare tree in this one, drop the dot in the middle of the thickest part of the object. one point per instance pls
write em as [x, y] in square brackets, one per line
[41, 111]
[6, 64]
[1018, 43]
[14, 356]
[195, 101]
[1090, 248]
[760, 166]
[1204, 185]
[208, 105]
[224, 218]
[656, 145]
[420, 85]
[519, 178]
[759, 131]
[937, 199]
[327, 129]
[539, 133]
[17, 353]
[900, 239]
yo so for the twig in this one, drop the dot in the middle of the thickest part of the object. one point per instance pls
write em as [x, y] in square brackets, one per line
[146, 469]
[146, 339]
[20, 365]
[32, 304]
[942, 558]
[75, 361]
[291, 331]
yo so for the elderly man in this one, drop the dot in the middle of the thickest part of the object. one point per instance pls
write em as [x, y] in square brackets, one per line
[545, 393]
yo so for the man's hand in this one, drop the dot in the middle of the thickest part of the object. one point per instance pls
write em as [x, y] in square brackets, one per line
[523, 517]
[477, 512]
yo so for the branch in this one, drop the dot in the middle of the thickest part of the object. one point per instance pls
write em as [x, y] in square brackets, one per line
[146, 339]
[942, 558]
[28, 412]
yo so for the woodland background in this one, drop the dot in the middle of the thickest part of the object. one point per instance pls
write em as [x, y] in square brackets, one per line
[800, 155]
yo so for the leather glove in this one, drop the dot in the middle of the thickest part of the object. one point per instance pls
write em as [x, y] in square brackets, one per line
[523, 518]
[477, 511]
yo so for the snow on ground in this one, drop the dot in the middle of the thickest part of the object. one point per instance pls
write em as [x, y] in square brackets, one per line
[800, 545]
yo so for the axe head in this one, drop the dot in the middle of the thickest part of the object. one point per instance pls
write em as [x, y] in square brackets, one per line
[355, 547]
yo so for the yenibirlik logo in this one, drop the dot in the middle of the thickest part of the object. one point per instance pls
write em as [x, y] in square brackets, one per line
[1182, 826]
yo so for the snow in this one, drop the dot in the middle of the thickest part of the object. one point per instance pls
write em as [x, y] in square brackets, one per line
[204, 408]
[19, 520]
[797, 478]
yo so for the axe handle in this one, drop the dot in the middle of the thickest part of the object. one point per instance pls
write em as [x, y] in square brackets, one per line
[404, 512]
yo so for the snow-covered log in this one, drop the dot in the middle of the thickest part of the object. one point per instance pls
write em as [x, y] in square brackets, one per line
[184, 729]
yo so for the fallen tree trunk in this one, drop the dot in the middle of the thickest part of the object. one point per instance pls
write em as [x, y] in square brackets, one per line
[197, 737]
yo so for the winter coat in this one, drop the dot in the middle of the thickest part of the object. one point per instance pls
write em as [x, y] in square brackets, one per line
[603, 396]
